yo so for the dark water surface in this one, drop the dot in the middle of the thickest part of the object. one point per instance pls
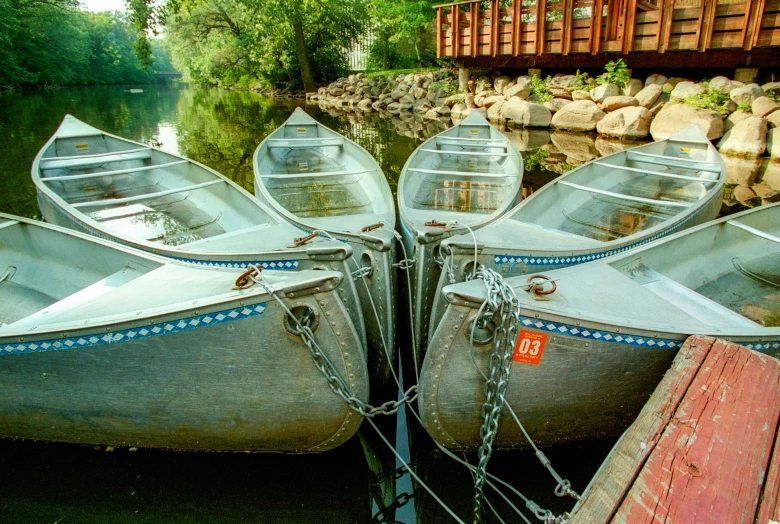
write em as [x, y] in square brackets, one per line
[59, 483]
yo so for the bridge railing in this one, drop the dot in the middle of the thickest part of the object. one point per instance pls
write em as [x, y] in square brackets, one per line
[474, 28]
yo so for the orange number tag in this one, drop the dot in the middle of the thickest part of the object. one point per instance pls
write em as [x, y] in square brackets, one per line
[529, 347]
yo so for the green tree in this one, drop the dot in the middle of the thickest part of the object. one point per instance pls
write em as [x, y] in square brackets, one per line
[279, 41]
[398, 21]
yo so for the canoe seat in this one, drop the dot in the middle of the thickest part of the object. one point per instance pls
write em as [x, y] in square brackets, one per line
[315, 174]
[461, 173]
[304, 143]
[470, 142]
[467, 153]
[92, 161]
[82, 296]
[668, 161]
[101, 174]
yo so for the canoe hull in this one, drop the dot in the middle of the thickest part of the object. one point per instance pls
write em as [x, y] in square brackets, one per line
[584, 386]
[242, 383]
[511, 262]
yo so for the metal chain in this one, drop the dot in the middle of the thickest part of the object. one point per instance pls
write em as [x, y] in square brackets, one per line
[326, 367]
[400, 501]
[406, 263]
[362, 272]
[502, 303]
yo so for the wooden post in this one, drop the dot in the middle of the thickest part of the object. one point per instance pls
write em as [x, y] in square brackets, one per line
[752, 28]
[567, 21]
[541, 19]
[595, 28]
[474, 37]
[455, 31]
[438, 33]
[517, 15]
[628, 29]
[666, 25]
[495, 19]
[709, 19]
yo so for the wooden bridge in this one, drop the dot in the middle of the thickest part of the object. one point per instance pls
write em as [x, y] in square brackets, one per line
[588, 33]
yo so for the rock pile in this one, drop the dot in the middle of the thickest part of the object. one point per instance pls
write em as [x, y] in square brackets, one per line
[741, 119]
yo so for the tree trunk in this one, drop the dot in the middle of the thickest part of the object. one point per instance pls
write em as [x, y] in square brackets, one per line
[385, 65]
[309, 85]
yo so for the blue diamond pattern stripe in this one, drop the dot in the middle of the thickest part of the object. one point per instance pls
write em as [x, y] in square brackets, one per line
[558, 328]
[286, 265]
[572, 261]
[163, 328]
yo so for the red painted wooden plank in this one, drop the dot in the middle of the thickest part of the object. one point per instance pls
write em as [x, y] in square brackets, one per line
[768, 506]
[613, 480]
[709, 465]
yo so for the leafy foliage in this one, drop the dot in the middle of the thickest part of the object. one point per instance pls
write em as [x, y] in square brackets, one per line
[584, 82]
[538, 87]
[272, 43]
[615, 72]
[403, 29]
[55, 43]
[535, 161]
[712, 99]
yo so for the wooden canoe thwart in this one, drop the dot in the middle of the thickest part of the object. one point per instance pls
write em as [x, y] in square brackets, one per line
[702, 449]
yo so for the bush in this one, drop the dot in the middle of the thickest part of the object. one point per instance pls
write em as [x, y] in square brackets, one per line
[615, 72]
[539, 88]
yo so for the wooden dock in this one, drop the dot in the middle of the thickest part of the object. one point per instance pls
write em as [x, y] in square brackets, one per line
[704, 449]
[587, 33]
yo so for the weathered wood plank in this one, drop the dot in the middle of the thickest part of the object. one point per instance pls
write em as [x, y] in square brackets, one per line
[628, 41]
[613, 480]
[707, 24]
[726, 40]
[596, 22]
[768, 506]
[541, 13]
[710, 462]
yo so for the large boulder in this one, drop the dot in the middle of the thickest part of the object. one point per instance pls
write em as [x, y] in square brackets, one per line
[741, 171]
[724, 85]
[525, 114]
[457, 110]
[632, 87]
[627, 123]
[656, 79]
[773, 120]
[580, 94]
[484, 83]
[494, 111]
[763, 106]
[518, 90]
[685, 90]
[671, 83]
[561, 86]
[599, 93]
[746, 94]
[648, 95]
[582, 115]
[771, 176]
[499, 83]
[611, 103]
[673, 118]
[556, 104]
[748, 138]
[735, 118]
[490, 100]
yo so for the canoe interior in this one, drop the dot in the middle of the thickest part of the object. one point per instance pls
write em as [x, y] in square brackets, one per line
[44, 271]
[451, 184]
[185, 202]
[322, 176]
[722, 274]
[608, 215]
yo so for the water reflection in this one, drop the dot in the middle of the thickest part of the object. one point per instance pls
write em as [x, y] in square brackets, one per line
[50, 482]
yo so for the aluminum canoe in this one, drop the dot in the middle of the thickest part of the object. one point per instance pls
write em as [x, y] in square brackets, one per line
[459, 180]
[143, 197]
[587, 359]
[319, 180]
[104, 344]
[606, 206]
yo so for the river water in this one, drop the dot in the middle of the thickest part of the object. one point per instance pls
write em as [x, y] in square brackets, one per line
[58, 483]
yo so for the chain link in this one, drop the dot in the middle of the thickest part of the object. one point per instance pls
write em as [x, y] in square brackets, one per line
[362, 272]
[501, 303]
[382, 515]
[329, 371]
[406, 263]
